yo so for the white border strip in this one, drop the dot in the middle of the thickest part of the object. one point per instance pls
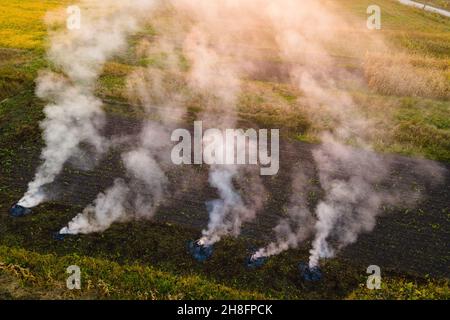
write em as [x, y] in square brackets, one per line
[425, 7]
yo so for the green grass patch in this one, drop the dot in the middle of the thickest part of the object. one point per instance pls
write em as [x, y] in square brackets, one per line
[105, 279]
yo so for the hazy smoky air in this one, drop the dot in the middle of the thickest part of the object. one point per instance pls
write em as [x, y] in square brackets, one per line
[145, 187]
[210, 49]
[74, 115]
[136, 197]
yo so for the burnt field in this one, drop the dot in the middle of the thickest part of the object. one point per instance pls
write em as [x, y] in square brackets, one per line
[86, 117]
[406, 241]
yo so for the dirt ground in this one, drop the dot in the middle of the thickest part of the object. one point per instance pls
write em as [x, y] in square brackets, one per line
[412, 241]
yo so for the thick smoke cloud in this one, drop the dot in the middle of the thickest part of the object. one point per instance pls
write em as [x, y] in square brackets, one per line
[349, 176]
[223, 42]
[298, 225]
[135, 198]
[74, 115]
[145, 188]
[216, 74]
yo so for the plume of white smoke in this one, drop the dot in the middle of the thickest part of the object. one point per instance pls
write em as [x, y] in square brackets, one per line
[224, 213]
[355, 188]
[213, 74]
[137, 199]
[107, 208]
[298, 226]
[74, 115]
[215, 44]
[348, 176]
[150, 192]
[302, 32]
[145, 189]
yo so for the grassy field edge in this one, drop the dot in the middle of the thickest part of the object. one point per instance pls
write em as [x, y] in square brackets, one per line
[36, 273]
[28, 275]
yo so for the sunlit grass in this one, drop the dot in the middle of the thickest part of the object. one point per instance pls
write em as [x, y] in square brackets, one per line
[104, 279]
[444, 4]
[410, 120]
[39, 276]
[406, 27]
[22, 22]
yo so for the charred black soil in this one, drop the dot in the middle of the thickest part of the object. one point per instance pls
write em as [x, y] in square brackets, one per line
[413, 242]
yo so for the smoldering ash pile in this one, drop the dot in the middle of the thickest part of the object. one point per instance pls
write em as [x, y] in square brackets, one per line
[211, 48]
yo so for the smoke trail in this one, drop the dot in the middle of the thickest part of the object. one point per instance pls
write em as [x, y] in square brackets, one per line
[351, 201]
[350, 177]
[299, 224]
[224, 213]
[74, 115]
[216, 76]
[353, 180]
[107, 208]
[215, 36]
[228, 213]
[313, 71]
[139, 196]
[136, 199]
[209, 73]
[219, 210]
[218, 48]
[355, 188]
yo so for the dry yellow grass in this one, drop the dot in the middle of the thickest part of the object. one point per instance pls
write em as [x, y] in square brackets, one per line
[22, 23]
[408, 75]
